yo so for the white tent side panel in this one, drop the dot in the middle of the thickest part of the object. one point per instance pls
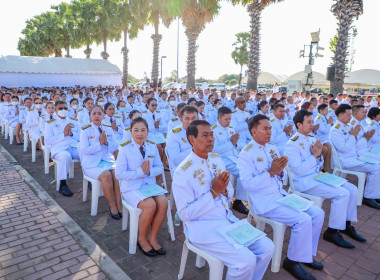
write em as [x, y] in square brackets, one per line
[8, 79]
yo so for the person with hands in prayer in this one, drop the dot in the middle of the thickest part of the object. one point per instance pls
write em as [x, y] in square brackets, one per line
[202, 192]
[261, 173]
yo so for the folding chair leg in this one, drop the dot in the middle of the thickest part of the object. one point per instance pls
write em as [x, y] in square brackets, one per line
[200, 262]
[85, 189]
[124, 220]
[216, 271]
[94, 200]
[46, 161]
[361, 185]
[71, 170]
[278, 240]
[133, 232]
[34, 150]
[170, 222]
[26, 141]
[56, 175]
[185, 252]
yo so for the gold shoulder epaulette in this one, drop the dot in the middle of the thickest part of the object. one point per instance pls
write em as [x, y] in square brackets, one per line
[372, 123]
[176, 130]
[127, 128]
[117, 117]
[311, 135]
[294, 138]
[29, 109]
[187, 165]
[167, 107]
[74, 119]
[144, 112]
[234, 111]
[352, 122]
[42, 115]
[230, 126]
[174, 119]
[50, 121]
[318, 117]
[214, 155]
[86, 126]
[337, 125]
[214, 126]
[272, 120]
[80, 110]
[248, 147]
[125, 143]
[106, 124]
[158, 111]
[150, 141]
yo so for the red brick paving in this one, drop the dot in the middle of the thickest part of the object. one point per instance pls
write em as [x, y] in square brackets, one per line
[33, 243]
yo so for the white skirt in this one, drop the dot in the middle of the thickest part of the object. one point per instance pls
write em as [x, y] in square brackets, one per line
[132, 197]
[94, 172]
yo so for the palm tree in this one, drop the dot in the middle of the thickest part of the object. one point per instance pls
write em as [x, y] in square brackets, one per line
[106, 23]
[254, 7]
[240, 53]
[345, 11]
[158, 10]
[195, 14]
[132, 16]
[85, 13]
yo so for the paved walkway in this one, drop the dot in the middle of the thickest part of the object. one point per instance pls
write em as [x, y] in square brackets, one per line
[361, 263]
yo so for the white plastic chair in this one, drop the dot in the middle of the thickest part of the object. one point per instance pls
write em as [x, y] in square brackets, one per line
[171, 175]
[134, 224]
[3, 128]
[46, 151]
[97, 191]
[216, 266]
[71, 171]
[278, 234]
[11, 134]
[362, 176]
[26, 140]
[33, 144]
[6, 131]
[316, 199]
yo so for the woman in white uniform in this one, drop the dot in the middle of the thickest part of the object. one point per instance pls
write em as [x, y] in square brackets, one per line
[374, 118]
[127, 131]
[113, 120]
[96, 146]
[50, 109]
[137, 166]
[84, 114]
[32, 120]
[74, 108]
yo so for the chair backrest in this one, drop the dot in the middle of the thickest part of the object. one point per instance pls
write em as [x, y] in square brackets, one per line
[335, 157]
[290, 178]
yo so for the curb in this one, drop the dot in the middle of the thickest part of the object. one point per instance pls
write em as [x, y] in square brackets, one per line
[105, 263]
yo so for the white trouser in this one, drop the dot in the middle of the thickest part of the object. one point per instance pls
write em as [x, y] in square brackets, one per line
[306, 229]
[343, 204]
[245, 263]
[372, 186]
[64, 158]
[241, 194]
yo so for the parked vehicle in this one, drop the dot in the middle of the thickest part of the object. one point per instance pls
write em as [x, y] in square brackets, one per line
[218, 86]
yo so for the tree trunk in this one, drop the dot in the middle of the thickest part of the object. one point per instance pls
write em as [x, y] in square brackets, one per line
[125, 59]
[88, 50]
[240, 76]
[57, 52]
[344, 11]
[104, 54]
[254, 10]
[67, 40]
[192, 36]
[156, 52]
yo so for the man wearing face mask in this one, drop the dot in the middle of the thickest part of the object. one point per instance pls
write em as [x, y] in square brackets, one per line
[62, 133]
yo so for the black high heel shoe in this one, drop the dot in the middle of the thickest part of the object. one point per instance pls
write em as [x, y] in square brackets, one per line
[151, 253]
[115, 216]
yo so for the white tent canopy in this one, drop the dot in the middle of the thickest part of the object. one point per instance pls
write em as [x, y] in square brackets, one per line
[266, 78]
[364, 77]
[319, 78]
[22, 71]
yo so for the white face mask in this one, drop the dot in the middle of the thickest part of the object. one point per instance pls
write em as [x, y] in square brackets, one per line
[14, 103]
[172, 103]
[218, 106]
[76, 96]
[101, 103]
[74, 107]
[62, 113]
[38, 106]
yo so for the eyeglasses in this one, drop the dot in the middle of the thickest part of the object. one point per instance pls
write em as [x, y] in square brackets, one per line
[62, 108]
[153, 105]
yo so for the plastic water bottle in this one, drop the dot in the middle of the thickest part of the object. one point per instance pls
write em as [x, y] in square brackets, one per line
[177, 220]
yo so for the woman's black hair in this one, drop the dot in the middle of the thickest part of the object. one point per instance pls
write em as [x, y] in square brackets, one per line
[139, 120]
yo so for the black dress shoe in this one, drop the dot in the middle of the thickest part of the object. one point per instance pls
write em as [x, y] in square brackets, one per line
[160, 251]
[65, 191]
[115, 216]
[240, 207]
[89, 185]
[371, 203]
[295, 269]
[150, 253]
[19, 143]
[377, 200]
[351, 232]
[314, 265]
[121, 214]
[337, 239]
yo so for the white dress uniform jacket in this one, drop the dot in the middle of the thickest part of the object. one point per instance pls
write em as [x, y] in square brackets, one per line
[238, 122]
[278, 137]
[83, 117]
[323, 131]
[177, 146]
[32, 123]
[119, 125]
[374, 142]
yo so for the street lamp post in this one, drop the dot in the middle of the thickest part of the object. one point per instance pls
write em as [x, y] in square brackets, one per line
[308, 80]
[161, 65]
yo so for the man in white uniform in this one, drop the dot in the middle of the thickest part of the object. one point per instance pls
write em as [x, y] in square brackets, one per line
[62, 133]
[239, 121]
[305, 161]
[261, 173]
[226, 144]
[280, 131]
[343, 137]
[202, 191]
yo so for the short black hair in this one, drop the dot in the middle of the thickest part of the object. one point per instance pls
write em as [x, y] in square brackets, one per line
[59, 102]
[373, 112]
[74, 99]
[139, 120]
[132, 113]
[193, 129]
[87, 99]
[224, 111]
[255, 121]
[333, 101]
[188, 109]
[200, 103]
[356, 108]
[150, 99]
[191, 99]
[278, 105]
[262, 104]
[300, 115]
[118, 103]
[322, 107]
[217, 100]
[342, 108]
